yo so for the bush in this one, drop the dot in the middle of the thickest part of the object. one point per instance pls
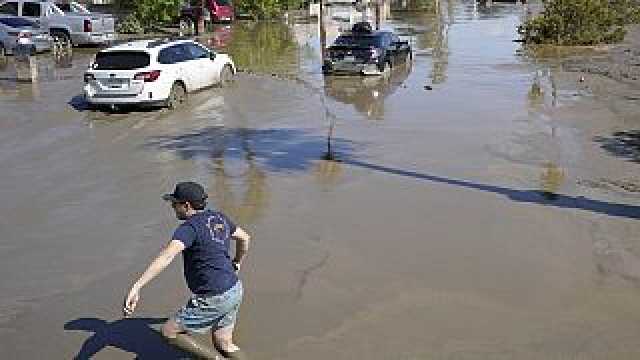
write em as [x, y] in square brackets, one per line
[152, 12]
[130, 25]
[581, 22]
[266, 9]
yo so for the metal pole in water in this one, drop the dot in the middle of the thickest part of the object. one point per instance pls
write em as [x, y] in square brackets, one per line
[377, 4]
[323, 32]
[26, 65]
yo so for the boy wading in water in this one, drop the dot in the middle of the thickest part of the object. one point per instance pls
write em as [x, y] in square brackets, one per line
[204, 239]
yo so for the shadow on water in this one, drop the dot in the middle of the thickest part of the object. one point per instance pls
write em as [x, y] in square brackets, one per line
[132, 335]
[296, 150]
[524, 196]
[78, 103]
[275, 149]
[624, 144]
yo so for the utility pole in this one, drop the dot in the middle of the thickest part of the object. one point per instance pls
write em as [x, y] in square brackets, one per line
[377, 4]
[323, 32]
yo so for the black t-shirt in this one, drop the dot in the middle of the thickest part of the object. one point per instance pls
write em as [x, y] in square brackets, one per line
[207, 262]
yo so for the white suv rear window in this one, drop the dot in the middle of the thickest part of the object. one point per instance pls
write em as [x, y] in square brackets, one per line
[121, 60]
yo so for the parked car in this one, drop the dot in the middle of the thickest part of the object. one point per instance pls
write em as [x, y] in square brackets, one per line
[366, 52]
[154, 72]
[74, 28]
[13, 29]
[217, 11]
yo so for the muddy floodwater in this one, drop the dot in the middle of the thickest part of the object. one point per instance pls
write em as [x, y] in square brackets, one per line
[481, 203]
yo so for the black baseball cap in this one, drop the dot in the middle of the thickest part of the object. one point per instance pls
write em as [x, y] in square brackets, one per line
[188, 191]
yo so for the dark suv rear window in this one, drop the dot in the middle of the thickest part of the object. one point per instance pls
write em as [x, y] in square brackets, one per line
[121, 60]
[359, 40]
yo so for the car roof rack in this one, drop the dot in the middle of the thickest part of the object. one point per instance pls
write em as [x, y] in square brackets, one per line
[158, 42]
[362, 27]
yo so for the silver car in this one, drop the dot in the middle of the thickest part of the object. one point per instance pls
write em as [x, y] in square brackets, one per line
[13, 28]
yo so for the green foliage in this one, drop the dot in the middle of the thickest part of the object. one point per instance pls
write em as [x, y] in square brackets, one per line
[581, 22]
[129, 25]
[423, 5]
[266, 9]
[152, 12]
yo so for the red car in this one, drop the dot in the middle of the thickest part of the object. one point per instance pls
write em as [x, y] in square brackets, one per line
[219, 10]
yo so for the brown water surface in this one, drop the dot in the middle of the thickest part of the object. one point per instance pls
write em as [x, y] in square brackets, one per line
[389, 221]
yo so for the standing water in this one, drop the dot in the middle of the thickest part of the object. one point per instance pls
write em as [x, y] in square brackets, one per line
[450, 221]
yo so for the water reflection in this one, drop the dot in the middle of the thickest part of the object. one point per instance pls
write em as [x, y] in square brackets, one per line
[441, 42]
[250, 183]
[4, 60]
[52, 66]
[63, 59]
[624, 144]
[22, 92]
[488, 9]
[414, 5]
[266, 47]
[241, 157]
[551, 180]
[367, 94]
[221, 37]
[428, 34]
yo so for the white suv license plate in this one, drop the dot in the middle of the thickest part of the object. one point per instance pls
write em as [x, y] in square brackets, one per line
[117, 83]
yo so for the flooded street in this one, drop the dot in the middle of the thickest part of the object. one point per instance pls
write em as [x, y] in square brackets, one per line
[484, 204]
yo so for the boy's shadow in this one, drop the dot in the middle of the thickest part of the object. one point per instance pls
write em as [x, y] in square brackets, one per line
[133, 335]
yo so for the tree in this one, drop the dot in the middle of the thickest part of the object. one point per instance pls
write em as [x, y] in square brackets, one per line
[581, 22]
[265, 9]
[152, 12]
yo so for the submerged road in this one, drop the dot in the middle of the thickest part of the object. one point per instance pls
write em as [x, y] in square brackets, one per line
[462, 222]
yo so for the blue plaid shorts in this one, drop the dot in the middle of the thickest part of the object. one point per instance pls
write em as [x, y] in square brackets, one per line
[203, 313]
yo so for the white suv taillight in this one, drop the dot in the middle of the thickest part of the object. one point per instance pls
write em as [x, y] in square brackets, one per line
[148, 76]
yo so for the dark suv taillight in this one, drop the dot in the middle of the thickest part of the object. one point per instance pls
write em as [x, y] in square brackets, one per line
[148, 76]
[24, 34]
[87, 26]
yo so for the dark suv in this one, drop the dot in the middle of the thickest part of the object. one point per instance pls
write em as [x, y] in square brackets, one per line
[366, 52]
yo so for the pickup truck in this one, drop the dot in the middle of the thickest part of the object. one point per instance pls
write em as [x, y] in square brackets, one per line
[78, 27]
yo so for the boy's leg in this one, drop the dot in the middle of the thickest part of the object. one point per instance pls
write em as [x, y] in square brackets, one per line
[223, 340]
[176, 336]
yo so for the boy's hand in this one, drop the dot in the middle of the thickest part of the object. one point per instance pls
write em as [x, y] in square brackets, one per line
[131, 301]
[236, 266]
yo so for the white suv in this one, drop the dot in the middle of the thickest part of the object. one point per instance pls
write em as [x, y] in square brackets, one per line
[154, 72]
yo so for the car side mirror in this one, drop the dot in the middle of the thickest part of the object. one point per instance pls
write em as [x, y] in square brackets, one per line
[212, 55]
